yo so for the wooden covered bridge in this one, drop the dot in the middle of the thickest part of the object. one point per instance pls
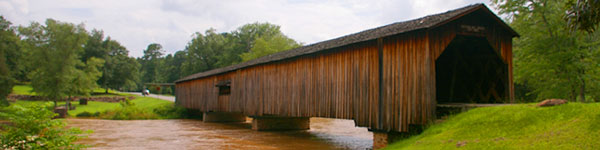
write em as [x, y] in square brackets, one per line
[385, 78]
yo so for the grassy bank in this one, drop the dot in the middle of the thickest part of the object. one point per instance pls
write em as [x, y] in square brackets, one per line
[146, 103]
[570, 126]
[23, 90]
[140, 107]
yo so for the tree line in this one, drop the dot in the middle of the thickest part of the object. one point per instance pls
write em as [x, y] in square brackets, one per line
[211, 50]
[61, 59]
[558, 53]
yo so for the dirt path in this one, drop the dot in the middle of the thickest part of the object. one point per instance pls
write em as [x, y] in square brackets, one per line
[163, 97]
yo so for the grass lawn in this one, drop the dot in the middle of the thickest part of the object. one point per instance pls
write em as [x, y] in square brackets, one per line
[23, 90]
[28, 90]
[524, 126]
[147, 103]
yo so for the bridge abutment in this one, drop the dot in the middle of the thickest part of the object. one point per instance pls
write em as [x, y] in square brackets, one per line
[382, 139]
[223, 117]
[265, 123]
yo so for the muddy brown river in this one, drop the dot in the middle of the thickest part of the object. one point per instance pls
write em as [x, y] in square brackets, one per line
[194, 134]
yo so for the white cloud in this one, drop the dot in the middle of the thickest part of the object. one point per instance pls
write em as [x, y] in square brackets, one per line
[137, 23]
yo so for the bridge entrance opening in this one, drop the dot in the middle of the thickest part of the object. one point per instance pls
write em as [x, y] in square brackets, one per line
[471, 71]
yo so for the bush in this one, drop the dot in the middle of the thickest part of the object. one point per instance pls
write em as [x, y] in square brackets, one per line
[128, 111]
[172, 112]
[88, 114]
[33, 128]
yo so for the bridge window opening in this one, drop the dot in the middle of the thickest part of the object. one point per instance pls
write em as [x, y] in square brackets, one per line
[471, 71]
[224, 87]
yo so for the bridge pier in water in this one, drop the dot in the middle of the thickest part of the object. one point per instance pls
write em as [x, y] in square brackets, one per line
[270, 123]
[223, 117]
[382, 138]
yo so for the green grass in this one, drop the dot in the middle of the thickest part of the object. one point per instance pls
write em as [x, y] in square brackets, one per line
[143, 108]
[28, 90]
[524, 126]
[23, 90]
[146, 103]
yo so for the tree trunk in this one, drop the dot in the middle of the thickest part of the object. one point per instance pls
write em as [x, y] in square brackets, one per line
[582, 91]
[106, 91]
[67, 104]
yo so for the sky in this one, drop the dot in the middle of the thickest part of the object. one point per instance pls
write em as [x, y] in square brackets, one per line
[171, 23]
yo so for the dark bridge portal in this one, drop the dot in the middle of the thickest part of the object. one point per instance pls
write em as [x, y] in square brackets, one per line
[471, 71]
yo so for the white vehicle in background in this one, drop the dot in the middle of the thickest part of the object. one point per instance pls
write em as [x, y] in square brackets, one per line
[145, 92]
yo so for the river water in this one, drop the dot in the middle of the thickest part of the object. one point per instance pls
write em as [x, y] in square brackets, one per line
[178, 134]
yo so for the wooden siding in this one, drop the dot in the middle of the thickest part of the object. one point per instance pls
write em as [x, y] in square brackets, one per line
[407, 94]
[341, 83]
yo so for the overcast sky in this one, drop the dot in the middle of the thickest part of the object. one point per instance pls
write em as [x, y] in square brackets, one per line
[171, 23]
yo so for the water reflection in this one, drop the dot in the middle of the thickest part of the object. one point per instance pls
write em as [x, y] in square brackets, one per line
[194, 134]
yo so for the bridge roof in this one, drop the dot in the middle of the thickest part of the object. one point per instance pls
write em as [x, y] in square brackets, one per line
[426, 22]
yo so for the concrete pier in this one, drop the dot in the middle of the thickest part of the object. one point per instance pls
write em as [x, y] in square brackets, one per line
[223, 117]
[382, 139]
[270, 123]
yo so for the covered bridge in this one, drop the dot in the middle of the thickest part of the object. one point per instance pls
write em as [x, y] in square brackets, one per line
[385, 78]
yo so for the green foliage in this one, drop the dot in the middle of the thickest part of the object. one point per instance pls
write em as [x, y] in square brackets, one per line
[119, 71]
[151, 65]
[94, 46]
[84, 80]
[268, 45]
[130, 111]
[23, 90]
[204, 51]
[583, 15]
[174, 112]
[549, 59]
[88, 114]
[33, 128]
[9, 59]
[54, 57]
[213, 50]
[173, 66]
[524, 126]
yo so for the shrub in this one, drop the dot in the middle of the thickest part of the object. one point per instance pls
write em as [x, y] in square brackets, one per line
[128, 111]
[172, 112]
[88, 114]
[33, 128]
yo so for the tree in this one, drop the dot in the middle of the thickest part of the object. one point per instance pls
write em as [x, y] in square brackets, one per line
[54, 57]
[172, 67]
[583, 15]
[151, 63]
[213, 50]
[204, 51]
[119, 71]
[94, 47]
[548, 58]
[249, 33]
[9, 58]
[84, 77]
[268, 45]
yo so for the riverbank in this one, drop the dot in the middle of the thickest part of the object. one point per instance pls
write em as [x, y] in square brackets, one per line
[143, 105]
[522, 126]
